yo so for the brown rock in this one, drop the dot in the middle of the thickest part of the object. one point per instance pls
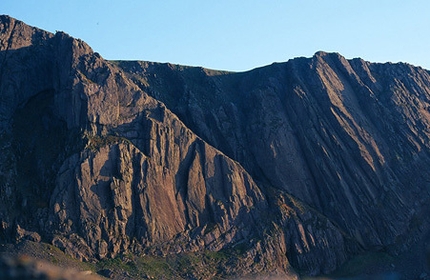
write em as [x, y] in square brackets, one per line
[299, 165]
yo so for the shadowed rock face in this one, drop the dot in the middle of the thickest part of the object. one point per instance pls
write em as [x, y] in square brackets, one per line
[307, 162]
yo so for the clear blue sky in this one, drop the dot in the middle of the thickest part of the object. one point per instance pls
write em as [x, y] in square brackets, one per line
[237, 35]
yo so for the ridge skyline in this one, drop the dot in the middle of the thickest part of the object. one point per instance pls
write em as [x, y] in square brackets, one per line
[296, 168]
[236, 37]
[223, 70]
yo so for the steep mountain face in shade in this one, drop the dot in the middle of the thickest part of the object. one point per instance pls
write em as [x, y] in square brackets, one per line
[293, 167]
[349, 138]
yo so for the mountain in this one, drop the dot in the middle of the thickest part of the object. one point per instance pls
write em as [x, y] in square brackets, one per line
[297, 168]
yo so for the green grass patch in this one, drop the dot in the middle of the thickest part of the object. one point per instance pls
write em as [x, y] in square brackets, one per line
[154, 267]
[95, 142]
[118, 264]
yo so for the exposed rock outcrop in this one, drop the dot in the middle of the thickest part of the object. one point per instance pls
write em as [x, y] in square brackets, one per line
[296, 166]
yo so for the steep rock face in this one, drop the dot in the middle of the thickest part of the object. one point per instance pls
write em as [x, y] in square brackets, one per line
[349, 138]
[94, 165]
[28, 78]
[307, 162]
[136, 157]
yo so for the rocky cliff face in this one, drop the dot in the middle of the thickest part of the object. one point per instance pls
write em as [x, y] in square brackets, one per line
[296, 166]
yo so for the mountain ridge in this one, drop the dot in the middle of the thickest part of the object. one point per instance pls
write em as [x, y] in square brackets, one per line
[307, 162]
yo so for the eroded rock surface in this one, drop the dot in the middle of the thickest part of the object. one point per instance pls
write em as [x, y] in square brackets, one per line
[295, 166]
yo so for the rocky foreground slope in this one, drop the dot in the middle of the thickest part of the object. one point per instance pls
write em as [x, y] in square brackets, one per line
[291, 168]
